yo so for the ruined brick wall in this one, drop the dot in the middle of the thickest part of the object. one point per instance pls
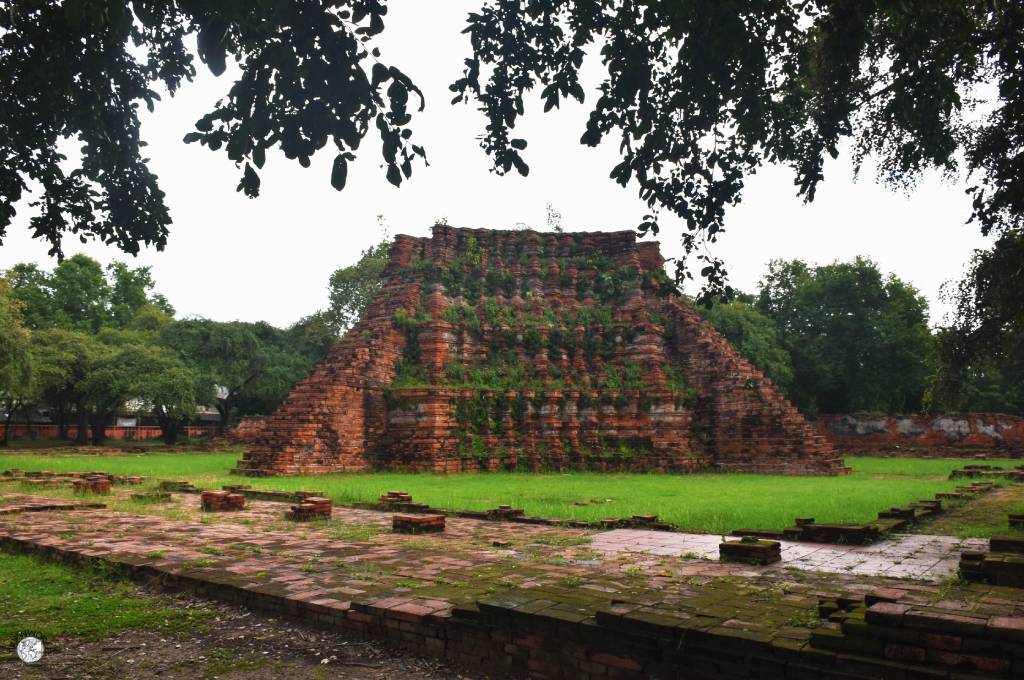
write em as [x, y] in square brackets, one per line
[246, 430]
[336, 413]
[747, 422]
[944, 435]
[494, 349]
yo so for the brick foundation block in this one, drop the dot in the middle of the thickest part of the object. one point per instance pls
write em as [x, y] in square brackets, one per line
[750, 550]
[98, 485]
[310, 509]
[504, 512]
[1006, 544]
[417, 524]
[222, 501]
[392, 497]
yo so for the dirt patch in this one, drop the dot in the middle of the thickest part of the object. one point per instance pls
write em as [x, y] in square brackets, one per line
[238, 643]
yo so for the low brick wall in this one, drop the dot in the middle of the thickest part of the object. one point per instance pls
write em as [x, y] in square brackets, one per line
[916, 435]
[115, 432]
[246, 430]
[547, 636]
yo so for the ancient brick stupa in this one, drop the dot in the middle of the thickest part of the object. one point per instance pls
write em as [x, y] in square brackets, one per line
[489, 349]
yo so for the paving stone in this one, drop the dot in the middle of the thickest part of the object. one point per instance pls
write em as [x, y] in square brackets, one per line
[481, 602]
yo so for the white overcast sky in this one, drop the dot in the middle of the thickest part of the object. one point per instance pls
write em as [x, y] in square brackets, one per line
[230, 257]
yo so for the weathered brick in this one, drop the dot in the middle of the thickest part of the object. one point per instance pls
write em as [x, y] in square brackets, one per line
[345, 417]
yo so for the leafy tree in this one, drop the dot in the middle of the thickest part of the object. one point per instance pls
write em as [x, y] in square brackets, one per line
[754, 336]
[130, 291]
[238, 362]
[79, 296]
[80, 69]
[289, 355]
[125, 367]
[312, 337]
[31, 288]
[701, 94]
[169, 388]
[859, 341]
[352, 288]
[149, 318]
[16, 375]
[110, 381]
[62, 359]
[979, 363]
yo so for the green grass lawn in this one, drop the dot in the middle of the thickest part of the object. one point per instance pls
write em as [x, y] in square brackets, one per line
[47, 600]
[713, 502]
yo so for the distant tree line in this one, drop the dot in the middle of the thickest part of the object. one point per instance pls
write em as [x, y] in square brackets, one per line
[91, 342]
[845, 338]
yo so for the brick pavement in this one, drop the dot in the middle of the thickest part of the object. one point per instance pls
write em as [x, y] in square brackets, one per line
[548, 602]
[931, 558]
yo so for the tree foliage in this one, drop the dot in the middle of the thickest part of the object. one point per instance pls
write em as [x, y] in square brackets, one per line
[352, 288]
[77, 71]
[169, 389]
[754, 336]
[248, 367]
[700, 94]
[16, 375]
[79, 296]
[62, 361]
[859, 341]
[697, 94]
[979, 363]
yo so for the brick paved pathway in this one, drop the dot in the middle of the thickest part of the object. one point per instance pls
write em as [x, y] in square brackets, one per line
[445, 594]
[931, 558]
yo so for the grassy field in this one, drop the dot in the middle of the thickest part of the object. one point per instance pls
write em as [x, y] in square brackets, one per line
[47, 600]
[714, 502]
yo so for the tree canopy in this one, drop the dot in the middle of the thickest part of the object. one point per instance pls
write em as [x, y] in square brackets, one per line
[249, 365]
[96, 341]
[859, 341]
[78, 295]
[698, 95]
[79, 70]
[755, 336]
[980, 355]
[352, 288]
[16, 379]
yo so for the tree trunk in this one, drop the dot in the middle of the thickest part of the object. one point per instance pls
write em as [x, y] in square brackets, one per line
[98, 423]
[62, 420]
[82, 436]
[170, 428]
[224, 408]
[27, 410]
[7, 427]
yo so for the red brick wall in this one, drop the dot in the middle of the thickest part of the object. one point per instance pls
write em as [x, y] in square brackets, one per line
[246, 430]
[136, 433]
[952, 434]
[556, 433]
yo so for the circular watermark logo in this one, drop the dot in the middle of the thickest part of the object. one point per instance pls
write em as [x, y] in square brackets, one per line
[30, 649]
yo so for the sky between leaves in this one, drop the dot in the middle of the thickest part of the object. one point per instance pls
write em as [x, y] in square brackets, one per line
[230, 257]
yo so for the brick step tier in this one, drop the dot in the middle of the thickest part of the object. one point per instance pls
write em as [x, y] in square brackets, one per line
[346, 416]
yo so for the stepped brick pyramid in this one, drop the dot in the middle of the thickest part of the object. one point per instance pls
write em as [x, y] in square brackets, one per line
[488, 349]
